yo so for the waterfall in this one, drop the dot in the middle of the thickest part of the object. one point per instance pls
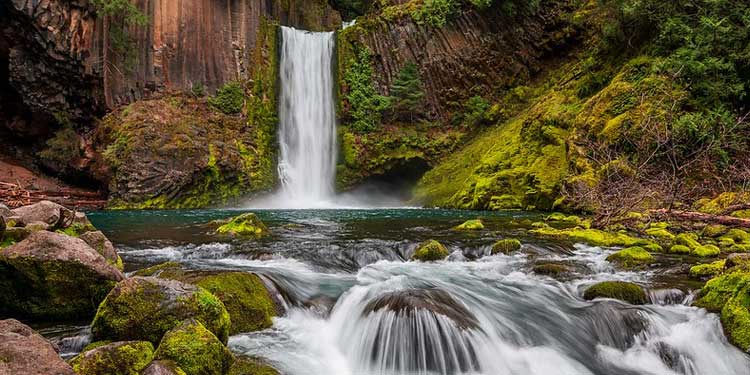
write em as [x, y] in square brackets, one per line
[307, 119]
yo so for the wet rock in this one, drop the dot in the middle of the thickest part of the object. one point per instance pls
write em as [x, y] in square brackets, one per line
[144, 308]
[727, 294]
[163, 367]
[631, 257]
[457, 256]
[506, 246]
[613, 325]
[245, 225]
[245, 295]
[117, 358]
[624, 291]
[195, 349]
[322, 304]
[430, 251]
[555, 270]
[47, 212]
[470, 225]
[99, 242]
[23, 351]
[737, 259]
[37, 226]
[53, 276]
[251, 366]
[707, 270]
[407, 302]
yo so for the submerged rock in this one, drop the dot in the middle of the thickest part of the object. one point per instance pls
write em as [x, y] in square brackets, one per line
[23, 351]
[144, 308]
[506, 246]
[430, 251]
[195, 349]
[53, 276]
[631, 257]
[245, 225]
[555, 270]
[117, 358]
[470, 225]
[624, 291]
[435, 301]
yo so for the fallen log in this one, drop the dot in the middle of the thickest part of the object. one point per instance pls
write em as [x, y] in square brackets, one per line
[701, 217]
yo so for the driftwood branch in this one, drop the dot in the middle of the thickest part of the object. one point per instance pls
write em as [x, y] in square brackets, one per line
[701, 217]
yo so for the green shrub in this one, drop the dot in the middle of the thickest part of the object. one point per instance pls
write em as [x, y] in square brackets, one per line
[435, 12]
[229, 99]
[365, 104]
[198, 90]
[475, 111]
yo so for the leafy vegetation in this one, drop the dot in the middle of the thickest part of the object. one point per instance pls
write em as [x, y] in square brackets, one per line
[229, 99]
[121, 14]
[407, 93]
[366, 105]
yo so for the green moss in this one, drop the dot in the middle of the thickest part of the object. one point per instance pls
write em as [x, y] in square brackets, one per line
[729, 294]
[430, 251]
[679, 249]
[245, 225]
[687, 239]
[592, 236]
[76, 229]
[631, 257]
[739, 236]
[163, 270]
[707, 270]
[713, 230]
[470, 225]
[249, 366]
[551, 269]
[735, 317]
[195, 349]
[140, 308]
[246, 299]
[120, 358]
[706, 251]
[506, 246]
[628, 292]
[660, 233]
[569, 219]
[744, 248]
[654, 248]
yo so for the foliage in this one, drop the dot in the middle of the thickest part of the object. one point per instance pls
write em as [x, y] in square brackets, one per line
[475, 111]
[366, 105]
[351, 9]
[407, 93]
[121, 14]
[65, 146]
[436, 13]
[229, 99]
[198, 90]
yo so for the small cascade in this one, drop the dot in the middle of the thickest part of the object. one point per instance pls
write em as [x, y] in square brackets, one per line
[307, 119]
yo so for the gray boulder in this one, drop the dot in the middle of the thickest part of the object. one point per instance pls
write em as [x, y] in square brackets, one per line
[99, 242]
[47, 212]
[23, 351]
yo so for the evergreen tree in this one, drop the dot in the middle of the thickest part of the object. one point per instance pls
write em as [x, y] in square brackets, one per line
[407, 92]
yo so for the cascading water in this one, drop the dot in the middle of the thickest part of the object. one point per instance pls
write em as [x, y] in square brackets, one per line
[307, 128]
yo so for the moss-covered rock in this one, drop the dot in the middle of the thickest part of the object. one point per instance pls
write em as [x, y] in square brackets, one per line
[660, 233]
[163, 367]
[470, 225]
[430, 251]
[195, 349]
[118, 358]
[245, 225]
[738, 236]
[713, 230]
[707, 270]
[99, 242]
[144, 308]
[728, 294]
[737, 260]
[53, 277]
[506, 246]
[552, 269]
[594, 237]
[251, 366]
[705, 251]
[679, 249]
[624, 291]
[687, 239]
[631, 257]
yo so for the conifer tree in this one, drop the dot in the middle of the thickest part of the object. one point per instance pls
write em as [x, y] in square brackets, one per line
[407, 92]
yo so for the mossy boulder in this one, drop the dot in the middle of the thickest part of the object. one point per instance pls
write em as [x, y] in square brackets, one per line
[245, 225]
[707, 270]
[144, 308]
[244, 295]
[470, 225]
[99, 242]
[163, 367]
[737, 260]
[594, 237]
[660, 233]
[624, 291]
[430, 251]
[117, 358]
[552, 269]
[679, 249]
[506, 246]
[705, 251]
[52, 276]
[713, 230]
[738, 236]
[251, 366]
[23, 351]
[195, 349]
[728, 294]
[687, 239]
[631, 257]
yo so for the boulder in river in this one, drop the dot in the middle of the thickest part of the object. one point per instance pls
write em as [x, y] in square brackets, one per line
[99, 242]
[631, 257]
[430, 251]
[435, 301]
[117, 358]
[727, 294]
[555, 270]
[244, 294]
[245, 225]
[53, 276]
[251, 366]
[144, 308]
[195, 349]
[624, 291]
[470, 225]
[506, 246]
[23, 351]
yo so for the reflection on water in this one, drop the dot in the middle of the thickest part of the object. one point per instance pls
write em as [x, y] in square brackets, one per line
[336, 267]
